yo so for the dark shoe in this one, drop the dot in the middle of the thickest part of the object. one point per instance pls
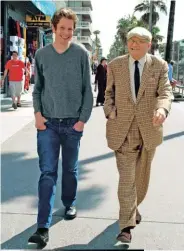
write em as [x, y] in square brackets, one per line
[96, 105]
[40, 237]
[19, 105]
[138, 219]
[70, 213]
[125, 236]
[14, 105]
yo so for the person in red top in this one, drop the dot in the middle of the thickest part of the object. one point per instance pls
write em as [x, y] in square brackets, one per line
[15, 69]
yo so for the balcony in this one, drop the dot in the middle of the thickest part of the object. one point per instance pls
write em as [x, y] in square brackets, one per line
[84, 25]
[83, 40]
[87, 3]
[82, 11]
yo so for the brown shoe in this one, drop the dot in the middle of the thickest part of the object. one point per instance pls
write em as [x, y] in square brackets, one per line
[124, 237]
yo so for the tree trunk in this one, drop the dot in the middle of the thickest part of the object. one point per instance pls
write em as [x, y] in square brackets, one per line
[169, 48]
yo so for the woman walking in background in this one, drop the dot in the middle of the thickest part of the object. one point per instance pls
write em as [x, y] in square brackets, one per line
[100, 79]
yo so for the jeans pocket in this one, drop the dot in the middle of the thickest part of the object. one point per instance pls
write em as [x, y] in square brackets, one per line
[73, 129]
[46, 122]
[38, 130]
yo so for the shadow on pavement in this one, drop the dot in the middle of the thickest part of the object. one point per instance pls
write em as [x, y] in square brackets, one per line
[105, 240]
[6, 101]
[174, 135]
[20, 241]
[97, 158]
[6, 105]
[20, 178]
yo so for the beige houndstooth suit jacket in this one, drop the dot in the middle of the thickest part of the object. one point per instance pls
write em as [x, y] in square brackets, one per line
[154, 92]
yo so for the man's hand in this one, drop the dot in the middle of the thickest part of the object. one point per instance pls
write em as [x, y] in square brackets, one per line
[113, 113]
[159, 117]
[79, 126]
[40, 121]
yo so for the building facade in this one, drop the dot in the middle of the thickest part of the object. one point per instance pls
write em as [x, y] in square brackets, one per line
[83, 9]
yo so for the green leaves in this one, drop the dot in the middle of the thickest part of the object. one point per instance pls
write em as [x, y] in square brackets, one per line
[126, 23]
[158, 6]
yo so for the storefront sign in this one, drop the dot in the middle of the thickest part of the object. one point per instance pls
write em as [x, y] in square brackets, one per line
[38, 24]
[38, 20]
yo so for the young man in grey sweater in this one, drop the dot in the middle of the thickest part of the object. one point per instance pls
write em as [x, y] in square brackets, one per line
[63, 102]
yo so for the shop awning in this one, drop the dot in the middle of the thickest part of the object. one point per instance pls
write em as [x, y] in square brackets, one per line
[46, 7]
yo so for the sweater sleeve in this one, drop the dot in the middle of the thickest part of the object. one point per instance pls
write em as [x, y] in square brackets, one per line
[87, 99]
[39, 83]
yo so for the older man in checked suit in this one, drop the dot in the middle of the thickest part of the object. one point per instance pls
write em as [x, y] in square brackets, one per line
[137, 101]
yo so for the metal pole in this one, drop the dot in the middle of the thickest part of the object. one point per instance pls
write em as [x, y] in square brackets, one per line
[169, 46]
[150, 15]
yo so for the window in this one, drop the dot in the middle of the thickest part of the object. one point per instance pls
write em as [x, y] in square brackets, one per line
[74, 3]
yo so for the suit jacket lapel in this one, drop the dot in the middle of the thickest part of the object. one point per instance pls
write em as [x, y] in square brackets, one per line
[126, 77]
[145, 75]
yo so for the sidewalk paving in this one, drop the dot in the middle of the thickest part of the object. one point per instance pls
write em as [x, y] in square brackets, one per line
[14, 120]
[96, 225]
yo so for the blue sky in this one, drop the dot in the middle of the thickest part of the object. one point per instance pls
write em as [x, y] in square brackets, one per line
[107, 12]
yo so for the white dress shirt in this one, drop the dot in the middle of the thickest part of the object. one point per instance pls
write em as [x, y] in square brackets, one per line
[132, 70]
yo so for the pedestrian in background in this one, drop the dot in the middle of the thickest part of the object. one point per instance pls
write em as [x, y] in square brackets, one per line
[93, 68]
[170, 74]
[28, 76]
[63, 102]
[137, 101]
[100, 81]
[15, 69]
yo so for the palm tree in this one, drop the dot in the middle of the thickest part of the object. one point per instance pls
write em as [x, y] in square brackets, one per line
[125, 24]
[97, 41]
[123, 28]
[118, 45]
[170, 32]
[156, 38]
[145, 8]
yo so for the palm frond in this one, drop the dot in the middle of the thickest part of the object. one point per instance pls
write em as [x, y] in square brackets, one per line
[161, 6]
[157, 6]
[155, 18]
[158, 38]
[142, 7]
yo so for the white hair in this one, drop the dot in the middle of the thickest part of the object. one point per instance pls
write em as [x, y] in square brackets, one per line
[140, 32]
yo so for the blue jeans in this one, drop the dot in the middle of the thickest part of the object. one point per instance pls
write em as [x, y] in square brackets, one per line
[59, 132]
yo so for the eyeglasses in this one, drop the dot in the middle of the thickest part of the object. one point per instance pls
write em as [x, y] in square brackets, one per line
[138, 42]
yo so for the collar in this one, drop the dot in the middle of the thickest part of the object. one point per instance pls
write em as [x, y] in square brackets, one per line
[142, 61]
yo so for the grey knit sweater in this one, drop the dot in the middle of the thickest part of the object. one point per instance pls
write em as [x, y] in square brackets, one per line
[63, 83]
